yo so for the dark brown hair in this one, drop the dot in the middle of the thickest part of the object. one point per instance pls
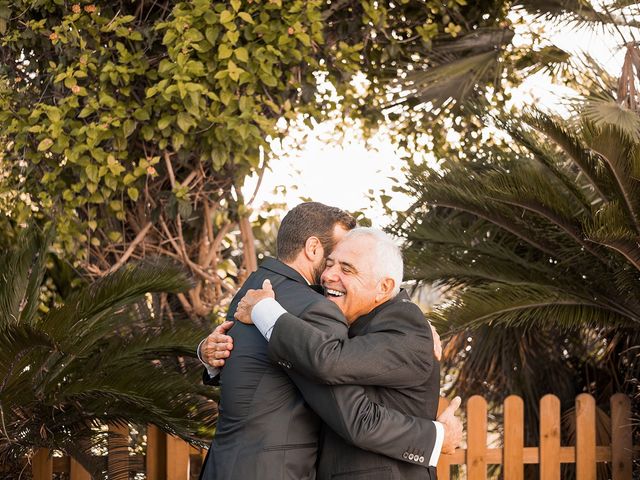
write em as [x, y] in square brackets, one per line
[311, 219]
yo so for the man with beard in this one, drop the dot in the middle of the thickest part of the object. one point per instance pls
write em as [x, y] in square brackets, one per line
[267, 427]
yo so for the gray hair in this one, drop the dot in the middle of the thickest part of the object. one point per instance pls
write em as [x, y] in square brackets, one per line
[387, 256]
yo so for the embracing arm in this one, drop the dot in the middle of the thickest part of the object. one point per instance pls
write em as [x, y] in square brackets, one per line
[396, 351]
[348, 411]
[212, 351]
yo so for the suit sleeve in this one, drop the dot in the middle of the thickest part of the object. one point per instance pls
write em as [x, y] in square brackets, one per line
[209, 380]
[349, 412]
[396, 352]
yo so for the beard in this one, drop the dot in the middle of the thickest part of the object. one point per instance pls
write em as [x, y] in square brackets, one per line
[317, 271]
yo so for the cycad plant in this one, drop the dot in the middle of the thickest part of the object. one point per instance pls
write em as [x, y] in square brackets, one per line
[101, 357]
[539, 240]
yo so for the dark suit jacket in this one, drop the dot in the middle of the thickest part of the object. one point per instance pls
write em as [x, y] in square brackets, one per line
[391, 351]
[267, 428]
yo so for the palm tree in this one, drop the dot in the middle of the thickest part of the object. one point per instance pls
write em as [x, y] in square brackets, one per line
[460, 66]
[103, 356]
[538, 238]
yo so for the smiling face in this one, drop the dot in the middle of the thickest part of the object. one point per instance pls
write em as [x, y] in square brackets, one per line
[350, 280]
[338, 232]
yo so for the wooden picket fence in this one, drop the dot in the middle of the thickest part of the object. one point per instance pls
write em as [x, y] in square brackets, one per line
[549, 454]
[169, 458]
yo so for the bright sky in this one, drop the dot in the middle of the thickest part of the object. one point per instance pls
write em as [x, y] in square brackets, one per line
[344, 175]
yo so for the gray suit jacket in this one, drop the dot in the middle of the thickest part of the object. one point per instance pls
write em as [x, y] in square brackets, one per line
[267, 428]
[391, 351]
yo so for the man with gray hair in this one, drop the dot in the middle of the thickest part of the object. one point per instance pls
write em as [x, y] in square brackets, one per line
[387, 337]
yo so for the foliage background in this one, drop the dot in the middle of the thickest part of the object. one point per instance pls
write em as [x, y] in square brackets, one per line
[132, 127]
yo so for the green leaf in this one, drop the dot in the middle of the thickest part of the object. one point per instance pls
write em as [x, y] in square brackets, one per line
[45, 144]
[242, 54]
[193, 35]
[304, 39]
[224, 51]
[246, 17]
[212, 34]
[169, 37]
[141, 115]
[177, 139]
[114, 235]
[234, 71]
[54, 114]
[86, 111]
[151, 91]
[226, 16]
[147, 132]
[133, 193]
[268, 80]
[184, 121]
[226, 96]
[165, 121]
[92, 173]
[235, 4]
[233, 37]
[128, 127]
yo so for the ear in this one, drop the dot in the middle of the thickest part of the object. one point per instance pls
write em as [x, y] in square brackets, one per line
[313, 248]
[385, 289]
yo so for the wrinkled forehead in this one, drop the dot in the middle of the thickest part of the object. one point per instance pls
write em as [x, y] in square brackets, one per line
[358, 251]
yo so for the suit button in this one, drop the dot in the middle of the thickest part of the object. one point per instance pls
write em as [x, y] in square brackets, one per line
[421, 459]
[405, 455]
[288, 365]
[411, 456]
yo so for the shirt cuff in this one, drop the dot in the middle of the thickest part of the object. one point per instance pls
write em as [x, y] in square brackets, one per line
[437, 447]
[212, 371]
[265, 314]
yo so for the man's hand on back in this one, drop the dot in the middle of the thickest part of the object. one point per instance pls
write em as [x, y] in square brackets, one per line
[217, 346]
[250, 299]
[452, 427]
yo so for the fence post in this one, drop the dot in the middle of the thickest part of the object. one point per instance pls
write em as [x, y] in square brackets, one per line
[513, 452]
[42, 465]
[156, 464]
[443, 469]
[77, 471]
[118, 449]
[549, 438]
[476, 438]
[177, 458]
[621, 439]
[585, 437]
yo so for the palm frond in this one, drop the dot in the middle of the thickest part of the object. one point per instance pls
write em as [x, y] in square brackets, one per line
[452, 79]
[85, 310]
[520, 305]
[582, 157]
[550, 59]
[605, 115]
[574, 11]
[22, 273]
[620, 155]
[99, 358]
